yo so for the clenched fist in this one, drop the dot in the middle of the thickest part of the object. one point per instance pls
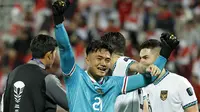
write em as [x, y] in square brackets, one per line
[58, 8]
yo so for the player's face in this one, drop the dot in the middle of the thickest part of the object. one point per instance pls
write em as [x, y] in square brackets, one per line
[99, 63]
[148, 56]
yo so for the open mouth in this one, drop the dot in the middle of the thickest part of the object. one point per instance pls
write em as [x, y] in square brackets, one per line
[101, 69]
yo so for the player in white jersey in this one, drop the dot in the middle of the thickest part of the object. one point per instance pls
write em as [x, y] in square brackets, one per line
[133, 101]
[122, 65]
[170, 92]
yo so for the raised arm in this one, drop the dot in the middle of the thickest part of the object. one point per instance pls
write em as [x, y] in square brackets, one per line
[66, 53]
[67, 59]
[137, 81]
[169, 42]
[137, 67]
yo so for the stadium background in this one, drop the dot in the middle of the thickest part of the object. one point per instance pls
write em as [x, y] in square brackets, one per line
[137, 20]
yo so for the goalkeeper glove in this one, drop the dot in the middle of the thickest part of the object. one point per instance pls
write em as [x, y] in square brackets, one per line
[169, 43]
[58, 8]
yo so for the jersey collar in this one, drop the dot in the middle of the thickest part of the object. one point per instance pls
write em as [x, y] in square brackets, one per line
[161, 78]
[37, 62]
[94, 81]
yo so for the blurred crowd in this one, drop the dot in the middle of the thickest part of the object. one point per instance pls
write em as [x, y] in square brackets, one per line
[137, 20]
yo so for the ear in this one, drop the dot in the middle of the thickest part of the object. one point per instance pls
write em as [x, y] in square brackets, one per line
[48, 55]
[87, 60]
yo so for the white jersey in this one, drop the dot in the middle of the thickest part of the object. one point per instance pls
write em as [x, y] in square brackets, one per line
[121, 66]
[170, 93]
[132, 101]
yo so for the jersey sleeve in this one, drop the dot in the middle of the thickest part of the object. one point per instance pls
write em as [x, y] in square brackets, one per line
[134, 82]
[129, 83]
[119, 83]
[67, 59]
[122, 66]
[160, 63]
[186, 94]
[55, 91]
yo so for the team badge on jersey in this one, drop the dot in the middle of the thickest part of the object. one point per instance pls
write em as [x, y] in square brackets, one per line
[99, 91]
[163, 95]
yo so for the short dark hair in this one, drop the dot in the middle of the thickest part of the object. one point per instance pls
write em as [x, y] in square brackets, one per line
[42, 44]
[96, 45]
[116, 40]
[151, 43]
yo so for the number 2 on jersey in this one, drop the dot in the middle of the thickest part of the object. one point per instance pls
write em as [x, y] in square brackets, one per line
[97, 105]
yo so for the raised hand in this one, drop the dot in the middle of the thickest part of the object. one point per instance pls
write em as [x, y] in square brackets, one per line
[58, 9]
[153, 70]
[169, 43]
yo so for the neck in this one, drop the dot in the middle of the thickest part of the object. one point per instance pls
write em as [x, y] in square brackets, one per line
[43, 62]
[114, 59]
[162, 73]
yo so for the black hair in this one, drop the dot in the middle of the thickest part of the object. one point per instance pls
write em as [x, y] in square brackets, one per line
[116, 40]
[96, 45]
[151, 43]
[42, 44]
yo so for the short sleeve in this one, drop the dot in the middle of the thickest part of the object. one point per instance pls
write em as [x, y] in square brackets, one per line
[186, 93]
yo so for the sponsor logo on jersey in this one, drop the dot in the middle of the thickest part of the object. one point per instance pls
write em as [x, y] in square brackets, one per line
[163, 95]
[126, 59]
[189, 91]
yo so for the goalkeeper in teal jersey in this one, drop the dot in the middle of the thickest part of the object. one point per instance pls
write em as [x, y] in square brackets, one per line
[92, 90]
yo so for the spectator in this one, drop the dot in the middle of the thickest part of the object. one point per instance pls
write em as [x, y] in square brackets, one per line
[164, 19]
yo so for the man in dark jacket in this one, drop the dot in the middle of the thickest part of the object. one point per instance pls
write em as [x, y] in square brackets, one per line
[29, 87]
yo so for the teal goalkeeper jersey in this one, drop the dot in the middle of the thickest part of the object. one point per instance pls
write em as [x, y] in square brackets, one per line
[85, 95]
